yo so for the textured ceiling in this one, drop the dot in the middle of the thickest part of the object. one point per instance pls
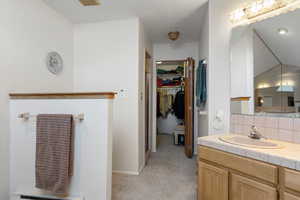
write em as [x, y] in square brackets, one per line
[159, 16]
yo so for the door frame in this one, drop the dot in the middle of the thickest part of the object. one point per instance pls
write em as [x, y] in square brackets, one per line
[154, 103]
[147, 105]
[189, 104]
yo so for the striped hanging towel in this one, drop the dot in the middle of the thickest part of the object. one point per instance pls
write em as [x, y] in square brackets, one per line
[54, 153]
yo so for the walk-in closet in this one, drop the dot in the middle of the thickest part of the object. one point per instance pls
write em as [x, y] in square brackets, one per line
[174, 101]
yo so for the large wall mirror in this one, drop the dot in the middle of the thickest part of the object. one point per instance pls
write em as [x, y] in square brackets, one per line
[269, 53]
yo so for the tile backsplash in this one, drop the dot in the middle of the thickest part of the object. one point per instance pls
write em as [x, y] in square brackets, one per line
[277, 128]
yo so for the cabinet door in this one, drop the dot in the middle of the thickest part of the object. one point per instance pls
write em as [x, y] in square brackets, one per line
[212, 182]
[288, 196]
[189, 107]
[292, 179]
[241, 67]
[246, 189]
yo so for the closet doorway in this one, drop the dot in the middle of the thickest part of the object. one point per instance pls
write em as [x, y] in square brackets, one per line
[175, 102]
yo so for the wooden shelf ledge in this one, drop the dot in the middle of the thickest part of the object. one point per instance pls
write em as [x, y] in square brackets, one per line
[241, 99]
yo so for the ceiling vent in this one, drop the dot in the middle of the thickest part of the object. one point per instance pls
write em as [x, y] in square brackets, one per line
[90, 2]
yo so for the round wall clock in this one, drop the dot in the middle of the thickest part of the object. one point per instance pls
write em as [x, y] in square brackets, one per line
[54, 63]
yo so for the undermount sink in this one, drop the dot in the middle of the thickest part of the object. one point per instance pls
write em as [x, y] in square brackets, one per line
[252, 143]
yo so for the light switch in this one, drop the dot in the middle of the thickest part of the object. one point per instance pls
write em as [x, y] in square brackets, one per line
[123, 93]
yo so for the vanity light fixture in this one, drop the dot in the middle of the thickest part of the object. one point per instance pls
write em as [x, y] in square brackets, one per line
[257, 6]
[159, 62]
[282, 31]
[237, 15]
[269, 3]
[262, 9]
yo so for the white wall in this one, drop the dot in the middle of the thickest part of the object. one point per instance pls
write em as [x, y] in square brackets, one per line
[175, 51]
[204, 54]
[29, 30]
[172, 51]
[106, 58]
[219, 63]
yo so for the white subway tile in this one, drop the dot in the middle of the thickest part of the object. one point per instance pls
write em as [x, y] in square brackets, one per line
[296, 137]
[249, 120]
[271, 122]
[271, 133]
[259, 121]
[297, 124]
[286, 123]
[286, 135]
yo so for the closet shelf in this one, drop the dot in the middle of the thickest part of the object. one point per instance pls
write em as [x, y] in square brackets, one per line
[169, 75]
[161, 87]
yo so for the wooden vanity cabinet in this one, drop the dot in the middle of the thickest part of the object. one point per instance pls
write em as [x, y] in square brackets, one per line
[289, 184]
[212, 182]
[226, 176]
[291, 179]
[247, 189]
[287, 196]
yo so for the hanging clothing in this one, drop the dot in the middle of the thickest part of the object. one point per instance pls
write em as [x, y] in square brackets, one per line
[178, 70]
[158, 114]
[179, 105]
[165, 102]
[201, 88]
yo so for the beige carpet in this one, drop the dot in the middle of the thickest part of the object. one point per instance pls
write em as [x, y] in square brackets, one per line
[169, 175]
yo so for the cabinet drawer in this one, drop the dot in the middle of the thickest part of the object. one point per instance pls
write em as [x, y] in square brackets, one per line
[292, 179]
[246, 189]
[251, 167]
[288, 196]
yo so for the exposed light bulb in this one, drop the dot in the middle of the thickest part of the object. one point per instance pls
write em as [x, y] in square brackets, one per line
[238, 14]
[256, 7]
[269, 3]
[263, 9]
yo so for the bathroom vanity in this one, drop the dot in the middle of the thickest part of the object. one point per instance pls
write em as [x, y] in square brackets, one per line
[232, 172]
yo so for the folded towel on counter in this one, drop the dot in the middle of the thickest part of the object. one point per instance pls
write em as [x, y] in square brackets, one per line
[54, 152]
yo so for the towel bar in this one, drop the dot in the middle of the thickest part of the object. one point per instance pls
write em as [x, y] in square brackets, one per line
[36, 198]
[27, 116]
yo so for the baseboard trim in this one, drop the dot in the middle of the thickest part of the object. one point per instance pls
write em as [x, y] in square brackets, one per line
[141, 168]
[125, 172]
[130, 172]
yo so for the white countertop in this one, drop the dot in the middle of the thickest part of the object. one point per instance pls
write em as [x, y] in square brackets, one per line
[289, 156]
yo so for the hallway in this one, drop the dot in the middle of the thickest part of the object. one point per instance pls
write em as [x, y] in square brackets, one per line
[169, 175]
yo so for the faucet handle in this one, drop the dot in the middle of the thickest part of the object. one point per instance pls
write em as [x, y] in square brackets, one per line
[254, 128]
[254, 134]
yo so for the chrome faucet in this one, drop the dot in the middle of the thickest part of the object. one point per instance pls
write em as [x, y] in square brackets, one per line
[255, 134]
